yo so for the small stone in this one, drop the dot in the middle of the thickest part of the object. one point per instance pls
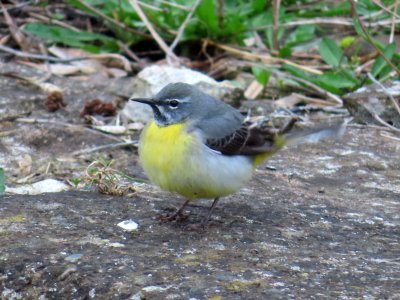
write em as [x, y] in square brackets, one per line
[116, 245]
[74, 257]
[44, 186]
[154, 288]
[129, 225]
[92, 293]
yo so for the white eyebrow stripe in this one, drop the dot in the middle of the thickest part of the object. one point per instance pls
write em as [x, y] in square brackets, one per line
[184, 100]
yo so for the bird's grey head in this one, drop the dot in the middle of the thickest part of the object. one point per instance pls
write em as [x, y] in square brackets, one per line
[175, 103]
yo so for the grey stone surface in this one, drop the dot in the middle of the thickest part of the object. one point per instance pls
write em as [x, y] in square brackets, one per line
[324, 225]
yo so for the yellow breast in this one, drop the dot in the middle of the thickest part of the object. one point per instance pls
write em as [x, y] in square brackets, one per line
[162, 150]
[179, 162]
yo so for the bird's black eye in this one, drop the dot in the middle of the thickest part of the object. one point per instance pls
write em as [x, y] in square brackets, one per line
[173, 103]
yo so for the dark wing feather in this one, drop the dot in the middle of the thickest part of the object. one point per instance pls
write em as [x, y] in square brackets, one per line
[248, 140]
[230, 144]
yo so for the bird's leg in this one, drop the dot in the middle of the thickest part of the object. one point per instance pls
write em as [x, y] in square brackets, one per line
[203, 224]
[210, 211]
[178, 215]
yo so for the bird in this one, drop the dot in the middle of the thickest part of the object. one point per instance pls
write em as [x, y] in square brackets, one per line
[200, 147]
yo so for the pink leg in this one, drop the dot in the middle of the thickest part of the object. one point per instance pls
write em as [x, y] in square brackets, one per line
[178, 215]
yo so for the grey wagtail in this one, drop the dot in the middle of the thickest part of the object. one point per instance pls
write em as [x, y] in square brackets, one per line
[200, 147]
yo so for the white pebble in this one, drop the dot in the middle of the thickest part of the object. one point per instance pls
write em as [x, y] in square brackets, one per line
[128, 225]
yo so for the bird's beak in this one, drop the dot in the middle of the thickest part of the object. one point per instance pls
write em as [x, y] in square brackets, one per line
[148, 101]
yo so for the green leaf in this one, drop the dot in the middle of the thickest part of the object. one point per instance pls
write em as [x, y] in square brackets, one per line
[79, 6]
[339, 80]
[323, 9]
[331, 53]
[379, 65]
[258, 5]
[2, 182]
[261, 19]
[301, 34]
[262, 75]
[285, 52]
[295, 71]
[207, 12]
[358, 28]
[71, 38]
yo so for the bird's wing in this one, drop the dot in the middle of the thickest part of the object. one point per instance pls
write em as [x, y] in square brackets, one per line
[230, 144]
[249, 140]
[223, 129]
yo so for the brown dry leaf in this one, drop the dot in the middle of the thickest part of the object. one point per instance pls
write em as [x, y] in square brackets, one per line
[54, 101]
[98, 107]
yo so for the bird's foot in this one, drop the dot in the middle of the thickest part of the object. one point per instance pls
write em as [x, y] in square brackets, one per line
[178, 217]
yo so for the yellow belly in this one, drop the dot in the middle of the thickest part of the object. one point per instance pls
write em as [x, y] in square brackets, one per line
[179, 162]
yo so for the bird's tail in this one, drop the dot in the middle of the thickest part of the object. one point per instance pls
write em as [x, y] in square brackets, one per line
[288, 136]
[314, 135]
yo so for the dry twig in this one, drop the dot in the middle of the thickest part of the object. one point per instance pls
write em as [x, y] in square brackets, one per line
[317, 89]
[16, 33]
[38, 56]
[170, 55]
[386, 135]
[384, 89]
[151, 7]
[172, 4]
[393, 29]
[102, 147]
[328, 21]
[183, 26]
[263, 58]
[72, 126]
[132, 55]
[276, 7]
[383, 122]
[53, 21]
[16, 6]
[387, 9]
